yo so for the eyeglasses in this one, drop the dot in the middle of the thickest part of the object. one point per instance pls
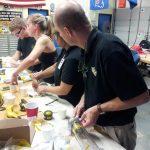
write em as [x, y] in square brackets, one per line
[17, 33]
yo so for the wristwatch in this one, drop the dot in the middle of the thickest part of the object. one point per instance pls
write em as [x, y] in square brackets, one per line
[99, 108]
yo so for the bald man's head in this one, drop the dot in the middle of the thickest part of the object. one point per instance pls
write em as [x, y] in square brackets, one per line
[70, 14]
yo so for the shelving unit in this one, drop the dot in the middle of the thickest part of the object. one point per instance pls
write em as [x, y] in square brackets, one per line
[8, 44]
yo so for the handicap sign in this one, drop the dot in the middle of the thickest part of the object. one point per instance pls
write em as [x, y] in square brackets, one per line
[99, 4]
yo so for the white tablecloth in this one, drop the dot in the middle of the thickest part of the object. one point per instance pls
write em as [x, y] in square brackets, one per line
[102, 141]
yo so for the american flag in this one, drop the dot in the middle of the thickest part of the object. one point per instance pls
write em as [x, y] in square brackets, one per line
[23, 3]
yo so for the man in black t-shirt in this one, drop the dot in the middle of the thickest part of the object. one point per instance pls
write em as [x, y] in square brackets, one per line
[25, 43]
[113, 84]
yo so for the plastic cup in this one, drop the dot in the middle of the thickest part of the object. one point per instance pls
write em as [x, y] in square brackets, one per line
[23, 91]
[32, 110]
[20, 83]
[13, 88]
[61, 114]
[6, 95]
[9, 100]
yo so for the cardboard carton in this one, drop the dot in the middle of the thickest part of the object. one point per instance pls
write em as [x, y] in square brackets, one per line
[17, 129]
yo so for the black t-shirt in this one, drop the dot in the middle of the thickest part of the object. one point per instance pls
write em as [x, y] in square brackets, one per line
[67, 71]
[111, 73]
[48, 59]
[25, 46]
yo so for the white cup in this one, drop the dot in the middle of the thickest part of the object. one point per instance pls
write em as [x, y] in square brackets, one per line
[6, 95]
[13, 88]
[23, 91]
[61, 113]
[20, 83]
[10, 100]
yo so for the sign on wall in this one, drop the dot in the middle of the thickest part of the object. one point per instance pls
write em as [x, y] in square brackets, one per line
[122, 4]
[5, 18]
[8, 15]
[43, 12]
[99, 4]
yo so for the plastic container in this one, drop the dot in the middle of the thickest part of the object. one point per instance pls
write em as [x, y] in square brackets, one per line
[82, 136]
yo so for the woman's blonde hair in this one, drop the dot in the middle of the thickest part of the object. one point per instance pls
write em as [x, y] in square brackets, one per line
[45, 24]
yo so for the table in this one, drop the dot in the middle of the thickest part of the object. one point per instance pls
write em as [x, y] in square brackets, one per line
[145, 58]
[102, 141]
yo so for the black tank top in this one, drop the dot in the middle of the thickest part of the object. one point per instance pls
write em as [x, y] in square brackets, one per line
[47, 60]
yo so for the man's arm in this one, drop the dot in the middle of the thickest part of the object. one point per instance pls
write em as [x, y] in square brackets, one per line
[116, 104]
[90, 116]
[17, 55]
[15, 58]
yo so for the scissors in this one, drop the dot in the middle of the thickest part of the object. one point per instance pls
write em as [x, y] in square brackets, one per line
[2, 108]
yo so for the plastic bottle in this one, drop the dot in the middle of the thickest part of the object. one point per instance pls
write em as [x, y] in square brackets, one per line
[82, 136]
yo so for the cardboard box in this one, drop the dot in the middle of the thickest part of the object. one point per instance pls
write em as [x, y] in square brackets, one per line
[16, 128]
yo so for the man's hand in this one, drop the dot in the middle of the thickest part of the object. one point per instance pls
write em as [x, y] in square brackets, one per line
[90, 116]
[14, 64]
[79, 109]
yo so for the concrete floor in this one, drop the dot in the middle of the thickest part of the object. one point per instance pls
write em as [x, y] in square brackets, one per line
[143, 124]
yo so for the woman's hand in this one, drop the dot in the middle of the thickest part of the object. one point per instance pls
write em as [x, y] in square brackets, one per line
[14, 79]
[35, 83]
[41, 89]
[36, 75]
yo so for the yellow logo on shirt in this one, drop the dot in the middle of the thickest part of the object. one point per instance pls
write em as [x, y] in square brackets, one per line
[94, 71]
[32, 46]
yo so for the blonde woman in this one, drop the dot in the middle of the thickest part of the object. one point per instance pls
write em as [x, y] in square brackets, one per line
[44, 49]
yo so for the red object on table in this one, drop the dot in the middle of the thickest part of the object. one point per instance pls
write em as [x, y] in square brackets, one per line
[137, 48]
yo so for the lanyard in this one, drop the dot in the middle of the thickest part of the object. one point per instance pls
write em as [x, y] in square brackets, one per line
[61, 62]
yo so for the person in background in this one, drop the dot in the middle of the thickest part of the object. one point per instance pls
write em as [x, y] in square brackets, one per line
[113, 84]
[25, 43]
[44, 49]
[69, 83]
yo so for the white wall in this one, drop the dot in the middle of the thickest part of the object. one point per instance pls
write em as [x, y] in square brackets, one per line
[133, 31]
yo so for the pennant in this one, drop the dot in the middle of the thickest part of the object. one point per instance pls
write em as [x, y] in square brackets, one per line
[122, 4]
[23, 3]
[133, 3]
[99, 4]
